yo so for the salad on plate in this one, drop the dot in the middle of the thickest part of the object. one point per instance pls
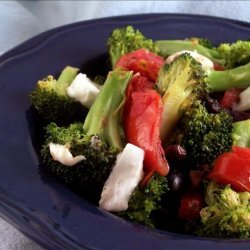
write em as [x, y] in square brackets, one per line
[163, 139]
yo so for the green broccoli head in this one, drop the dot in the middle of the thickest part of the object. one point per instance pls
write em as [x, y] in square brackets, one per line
[181, 82]
[51, 100]
[201, 41]
[206, 135]
[127, 39]
[145, 201]
[235, 54]
[87, 176]
[183, 72]
[227, 213]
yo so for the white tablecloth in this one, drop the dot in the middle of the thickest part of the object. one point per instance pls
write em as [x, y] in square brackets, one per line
[20, 20]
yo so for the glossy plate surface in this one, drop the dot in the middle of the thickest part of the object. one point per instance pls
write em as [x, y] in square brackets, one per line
[44, 210]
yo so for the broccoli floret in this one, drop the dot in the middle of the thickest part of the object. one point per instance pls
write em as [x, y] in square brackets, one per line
[241, 133]
[205, 135]
[180, 82]
[51, 101]
[88, 176]
[235, 54]
[227, 213]
[169, 47]
[145, 201]
[201, 41]
[98, 139]
[127, 39]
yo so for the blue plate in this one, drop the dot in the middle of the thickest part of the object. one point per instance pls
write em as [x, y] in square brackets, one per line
[44, 210]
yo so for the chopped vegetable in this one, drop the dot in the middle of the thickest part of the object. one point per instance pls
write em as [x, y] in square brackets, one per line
[180, 82]
[123, 179]
[62, 154]
[124, 40]
[145, 201]
[241, 133]
[205, 135]
[227, 214]
[142, 61]
[141, 119]
[235, 54]
[201, 41]
[103, 117]
[206, 63]
[83, 90]
[232, 78]
[233, 168]
[169, 47]
[51, 101]
[86, 176]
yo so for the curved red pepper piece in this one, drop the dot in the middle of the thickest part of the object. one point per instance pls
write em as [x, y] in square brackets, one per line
[233, 168]
[141, 117]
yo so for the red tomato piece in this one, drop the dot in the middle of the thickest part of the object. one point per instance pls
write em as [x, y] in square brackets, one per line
[230, 97]
[233, 168]
[190, 206]
[142, 61]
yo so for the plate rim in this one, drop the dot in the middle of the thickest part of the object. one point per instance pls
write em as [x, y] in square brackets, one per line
[35, 41]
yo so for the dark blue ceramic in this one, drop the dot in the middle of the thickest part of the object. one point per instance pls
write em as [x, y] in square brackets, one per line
[39, 207]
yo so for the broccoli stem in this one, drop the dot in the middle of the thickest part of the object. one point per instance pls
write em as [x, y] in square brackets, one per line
[103, 117]
[233, 78]
[241, 133]
[67, 75]
[169, 47]
[218, 80]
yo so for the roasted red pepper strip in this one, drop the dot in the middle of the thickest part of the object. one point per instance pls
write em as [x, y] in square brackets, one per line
[142, 61]
[233, 168]
[141, 119]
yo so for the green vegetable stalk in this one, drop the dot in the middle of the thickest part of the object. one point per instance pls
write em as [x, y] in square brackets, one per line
[104, 116]
[241, 133]
[169, 47]
[232, 78]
